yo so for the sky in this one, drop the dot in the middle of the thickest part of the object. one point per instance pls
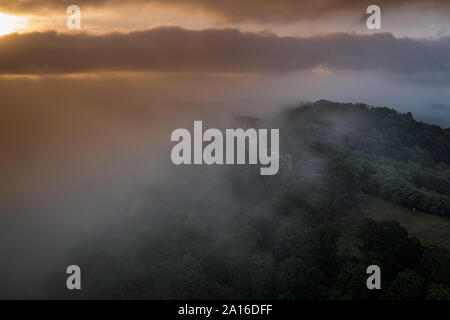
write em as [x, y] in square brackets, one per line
[86, 114]
[282, 45]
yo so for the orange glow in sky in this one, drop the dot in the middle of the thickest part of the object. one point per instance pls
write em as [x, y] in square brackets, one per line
[9, 24]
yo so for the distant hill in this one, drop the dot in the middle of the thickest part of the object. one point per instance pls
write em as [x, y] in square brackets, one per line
[389, 154]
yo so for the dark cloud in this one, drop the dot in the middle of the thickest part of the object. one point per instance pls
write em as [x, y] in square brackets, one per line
[172, 49]
[240, 10]
[282, 10]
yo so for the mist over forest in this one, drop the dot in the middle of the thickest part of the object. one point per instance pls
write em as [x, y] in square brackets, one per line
[153, 230]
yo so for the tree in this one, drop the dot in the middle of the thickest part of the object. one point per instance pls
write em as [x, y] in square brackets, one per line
[263, 276]
[351, 282]
[407, 285]
[387, 245]
[438, 292]
[435, 265]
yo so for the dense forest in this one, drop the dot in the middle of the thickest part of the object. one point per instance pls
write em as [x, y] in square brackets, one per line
[231, 233]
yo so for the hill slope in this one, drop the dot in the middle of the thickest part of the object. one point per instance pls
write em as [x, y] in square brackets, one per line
[391, 154]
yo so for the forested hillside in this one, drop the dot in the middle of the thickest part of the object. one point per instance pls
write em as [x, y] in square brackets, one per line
[390, 154]
[237, 234]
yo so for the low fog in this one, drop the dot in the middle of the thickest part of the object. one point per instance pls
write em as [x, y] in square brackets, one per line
[83, 154]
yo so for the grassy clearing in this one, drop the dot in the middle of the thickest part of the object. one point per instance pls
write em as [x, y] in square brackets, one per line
[429, 229]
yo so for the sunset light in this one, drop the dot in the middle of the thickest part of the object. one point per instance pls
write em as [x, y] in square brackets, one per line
[9, 24]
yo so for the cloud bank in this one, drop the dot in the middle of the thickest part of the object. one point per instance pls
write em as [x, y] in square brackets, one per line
[173, 49]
